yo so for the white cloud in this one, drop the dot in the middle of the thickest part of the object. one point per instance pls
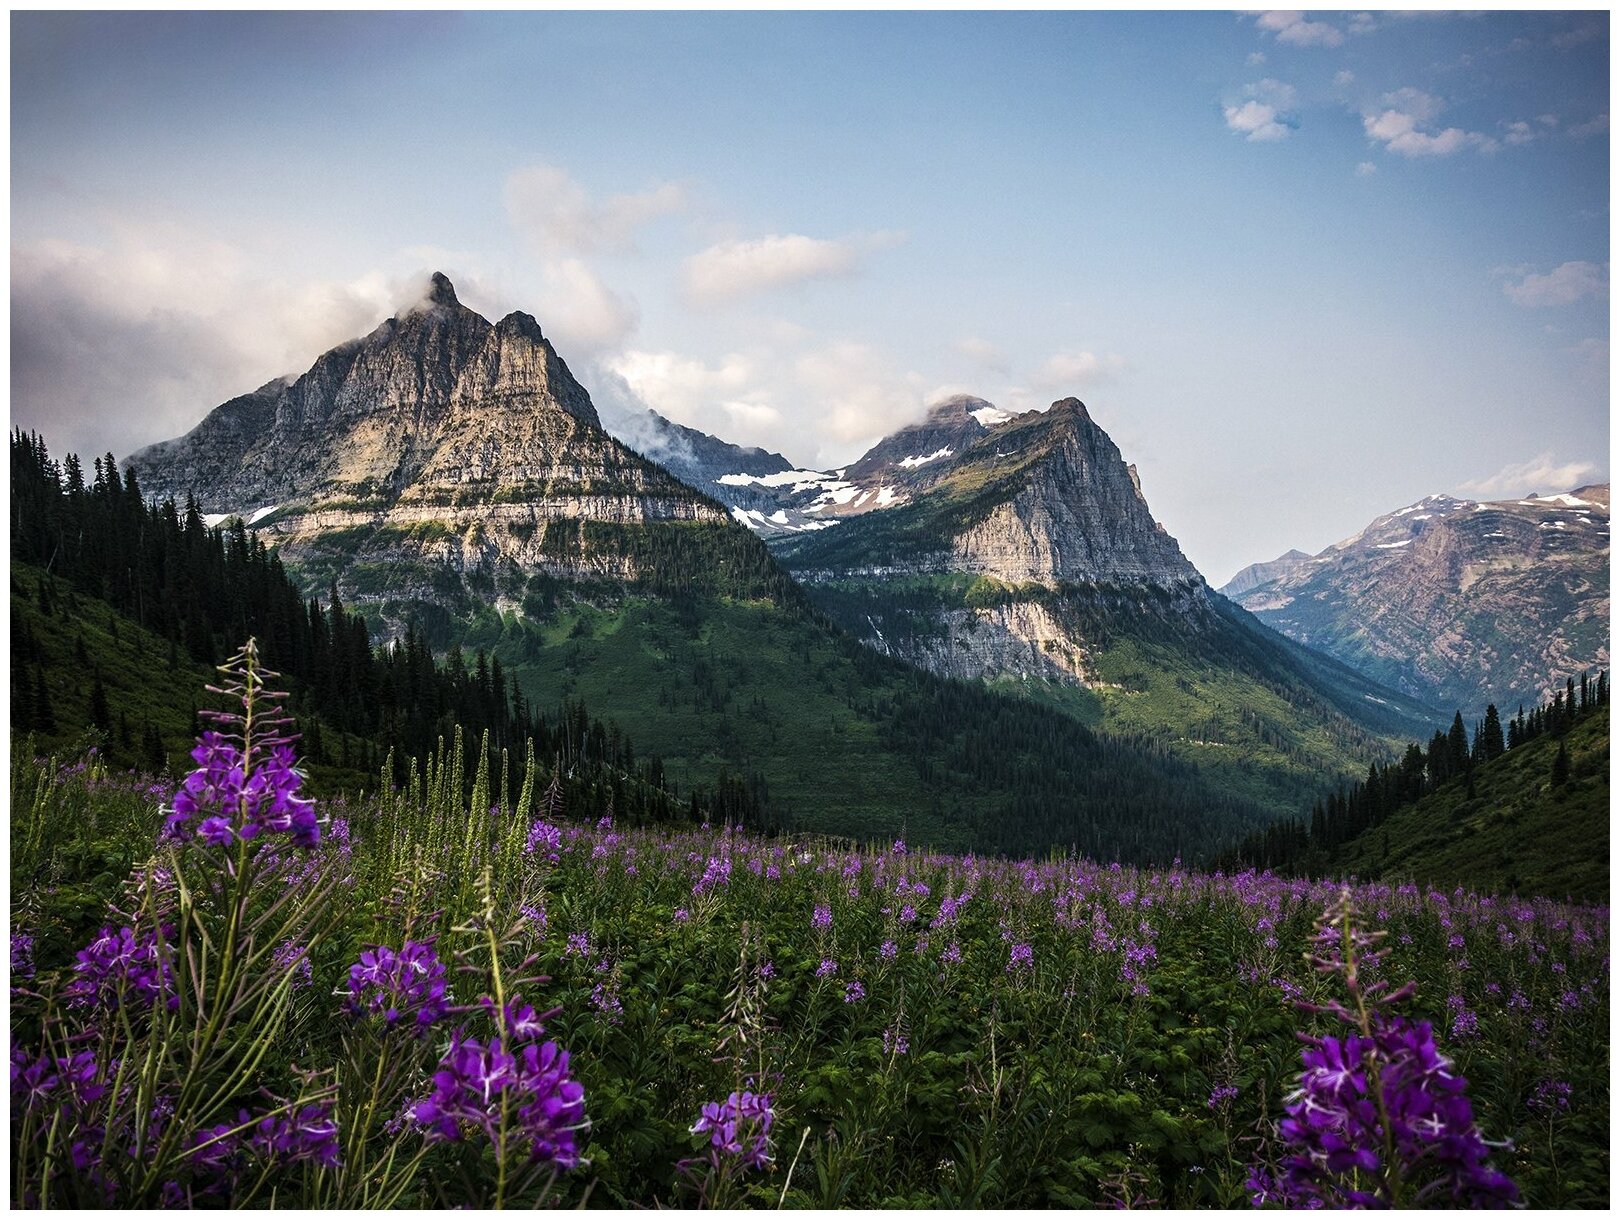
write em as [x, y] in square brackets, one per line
[1256, 58]
[1594, 126]
[735, 269]
[1400, 125]
[1363, 23]
[1264, 116]
[821, 404]
[1542, 474]
[1342, 79]
[582, 314]
[1592, 357]
[559, 217]
[134, 339]
[1518, 133]
[1563, 285]
[1365, 169]
[1292, 27]
[1075, 370]
[983, 352]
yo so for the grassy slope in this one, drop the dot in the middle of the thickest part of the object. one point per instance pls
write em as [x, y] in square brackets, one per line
[1259, 715]
[1517, 832]
[136, 675]
[752, 686]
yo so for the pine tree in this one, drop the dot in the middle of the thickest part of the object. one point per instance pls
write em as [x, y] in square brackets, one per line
[1560, 767]
[1490, 741]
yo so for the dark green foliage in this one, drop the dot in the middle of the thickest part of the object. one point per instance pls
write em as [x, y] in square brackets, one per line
[1509, 823]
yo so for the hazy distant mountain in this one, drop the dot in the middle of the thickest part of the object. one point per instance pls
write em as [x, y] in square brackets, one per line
[1260, 573]
[1457, 602]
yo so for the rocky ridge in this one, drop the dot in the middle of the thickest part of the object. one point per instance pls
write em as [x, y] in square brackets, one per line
[1456, 601]
[440, 442]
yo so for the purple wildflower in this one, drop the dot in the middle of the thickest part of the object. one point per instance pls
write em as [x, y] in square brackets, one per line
[475, 1084]
[293, 958]
[244, 804]
[1222, 1096]
[821, 918]
[22, 955]
[854, 992]
[738, 1128]
[1022, 958]
[1551, 1097]
[408, 985]
[545, 840]
[828, 967]
[307, 1134]
[119, 964]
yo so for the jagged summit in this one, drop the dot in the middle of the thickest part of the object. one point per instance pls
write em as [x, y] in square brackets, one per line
[441, 291]
[441, 436]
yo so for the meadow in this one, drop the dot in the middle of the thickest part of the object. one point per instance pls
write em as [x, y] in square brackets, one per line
[454, 993]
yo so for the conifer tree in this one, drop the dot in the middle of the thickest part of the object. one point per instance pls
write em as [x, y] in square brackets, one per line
[100, 713]
[1489, 741]
[1560, 766]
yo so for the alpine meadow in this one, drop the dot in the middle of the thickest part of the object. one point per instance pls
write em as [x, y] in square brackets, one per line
[693, 680]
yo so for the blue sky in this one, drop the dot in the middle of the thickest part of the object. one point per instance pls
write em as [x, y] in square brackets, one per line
[1305, 268]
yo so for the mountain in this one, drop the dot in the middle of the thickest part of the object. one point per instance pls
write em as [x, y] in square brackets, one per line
[1260, 573]
[451, 473]
[1457, 602]
[442, 458]
[1031, 561]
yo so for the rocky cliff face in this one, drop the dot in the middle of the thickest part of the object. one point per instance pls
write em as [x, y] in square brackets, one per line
[1458, 602]
[1257, 574]
[439, 442]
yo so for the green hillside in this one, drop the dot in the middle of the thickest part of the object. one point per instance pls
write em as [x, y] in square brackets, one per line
[1519, 830]
[846, 741]
[62, 639]
[1267, 721]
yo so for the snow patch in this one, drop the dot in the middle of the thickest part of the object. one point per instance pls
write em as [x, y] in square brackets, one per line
[799, 480]
[1390, 546]
[215, 519]
[1567, 500]
[912, 462]
[261, 513]
[779, 517]
[886, 496]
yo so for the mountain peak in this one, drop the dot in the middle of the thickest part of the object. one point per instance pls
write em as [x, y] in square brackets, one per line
[1072, 406]
[956, 409]
[441, 291]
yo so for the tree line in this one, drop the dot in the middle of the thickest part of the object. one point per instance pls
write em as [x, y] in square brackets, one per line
[1451, 756]
[206, 589]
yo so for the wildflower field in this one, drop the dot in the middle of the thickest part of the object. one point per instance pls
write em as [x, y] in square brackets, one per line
[455, 993]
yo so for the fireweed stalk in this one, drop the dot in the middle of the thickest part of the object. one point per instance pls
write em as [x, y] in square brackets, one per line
[1379, 1118]
[176, 1010]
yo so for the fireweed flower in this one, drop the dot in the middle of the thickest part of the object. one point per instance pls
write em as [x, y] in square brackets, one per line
[854, 992]
[293, 958]
[1379, 1119]
[475, 1084]
[307, 1134]
[544, 840]
[1022, 958]
[822, 917]
[405, 986]
[235, 804]
[119, 964]
[22, 955]
[739, 1129]
[828, 967]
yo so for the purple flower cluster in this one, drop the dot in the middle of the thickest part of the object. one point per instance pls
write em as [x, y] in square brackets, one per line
[65, 1078]
[119, 965]
[292, 958]
[22, 955]
[821, 917]
[545, 840]
[235, 804]
[738, 1128]
[408, 985]
[309, 1133]
[1379, 1119]
[1022, 957]
[716, 872]
[477, 1084]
